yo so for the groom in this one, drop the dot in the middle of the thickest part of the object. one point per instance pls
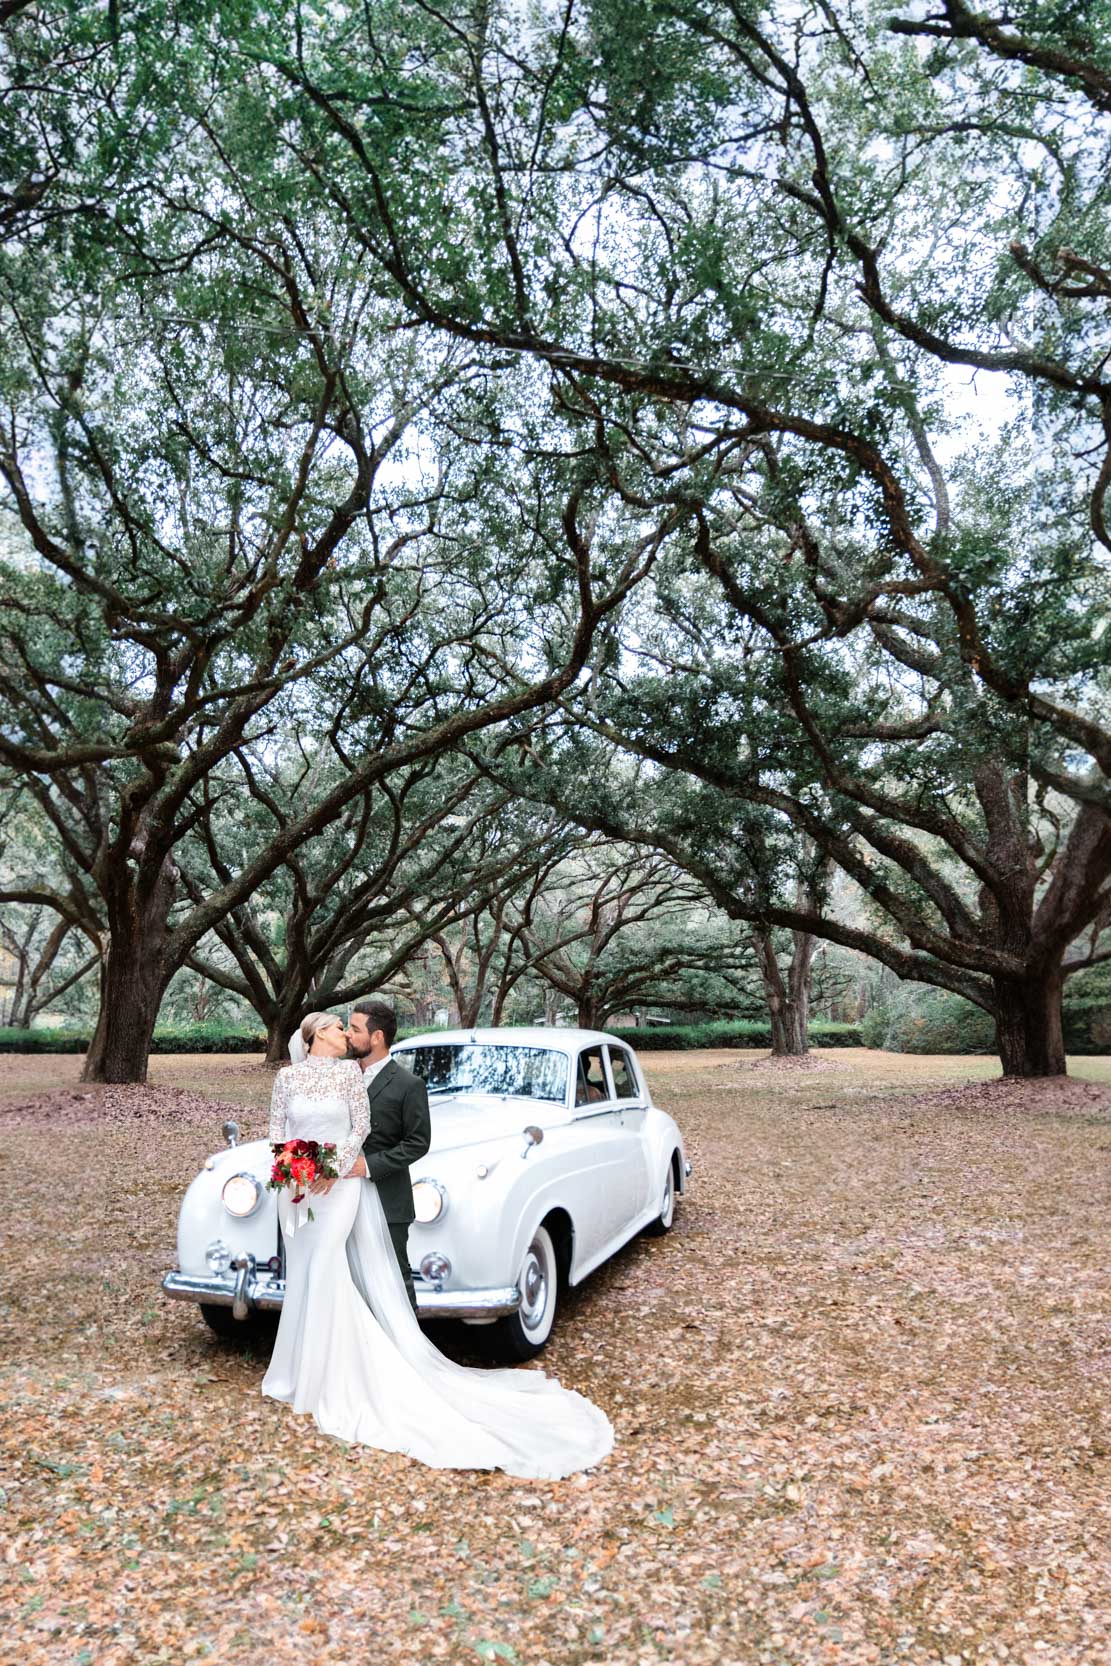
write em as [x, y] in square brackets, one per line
[400, 1129]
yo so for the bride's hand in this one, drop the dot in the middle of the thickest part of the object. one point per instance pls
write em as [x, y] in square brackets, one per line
[321, 1188]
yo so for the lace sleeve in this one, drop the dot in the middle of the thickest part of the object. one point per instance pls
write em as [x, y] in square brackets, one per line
[358, 1104]
[279, 1098]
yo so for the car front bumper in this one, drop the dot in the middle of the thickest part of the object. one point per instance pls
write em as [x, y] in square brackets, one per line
[246, 1289]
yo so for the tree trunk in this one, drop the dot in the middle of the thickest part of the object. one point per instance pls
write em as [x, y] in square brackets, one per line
[588, 1012]
[293, 1003]
[797, 1016]
[18, 1016]
[504, 991]
[424, 1011]
[131, 992]
[21, 1015]
[789, 1031]
[278, 1032]
[788, 1001]
[1028, 1025]
[202, 1001]
[134, 974]
[470, 1009]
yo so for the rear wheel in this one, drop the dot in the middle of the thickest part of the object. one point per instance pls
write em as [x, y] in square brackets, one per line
[666, 1217]
[523, 1334]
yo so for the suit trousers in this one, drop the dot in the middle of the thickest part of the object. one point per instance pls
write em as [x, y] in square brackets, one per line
[399, 1234]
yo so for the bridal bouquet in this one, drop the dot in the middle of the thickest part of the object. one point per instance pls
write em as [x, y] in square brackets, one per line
[297, 1163]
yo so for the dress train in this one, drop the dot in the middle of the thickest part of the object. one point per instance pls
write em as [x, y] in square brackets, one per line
[350, 1352]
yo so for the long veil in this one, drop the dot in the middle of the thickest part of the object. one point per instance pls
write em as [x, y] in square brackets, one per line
[545, 1430]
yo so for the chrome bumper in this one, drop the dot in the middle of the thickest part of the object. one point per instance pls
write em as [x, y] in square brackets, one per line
[244, 1289]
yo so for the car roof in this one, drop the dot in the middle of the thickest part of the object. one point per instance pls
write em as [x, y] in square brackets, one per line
[538, 1035]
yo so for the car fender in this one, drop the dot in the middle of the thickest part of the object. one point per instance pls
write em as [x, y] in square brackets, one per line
[661, 1133]
[202, 1216]
[489, 1222]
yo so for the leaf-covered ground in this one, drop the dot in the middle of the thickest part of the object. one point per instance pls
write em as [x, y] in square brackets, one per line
[860, 1394]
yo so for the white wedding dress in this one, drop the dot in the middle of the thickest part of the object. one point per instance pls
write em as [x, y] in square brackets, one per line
[349, 1349]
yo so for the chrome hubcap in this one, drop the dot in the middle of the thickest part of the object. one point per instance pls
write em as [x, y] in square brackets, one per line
[534, 1290]
[665, 1209]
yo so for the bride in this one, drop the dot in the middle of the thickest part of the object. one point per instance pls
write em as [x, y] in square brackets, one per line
[349, 1349]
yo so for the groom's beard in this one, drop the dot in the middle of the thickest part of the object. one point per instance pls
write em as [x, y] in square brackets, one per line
[354, 1052]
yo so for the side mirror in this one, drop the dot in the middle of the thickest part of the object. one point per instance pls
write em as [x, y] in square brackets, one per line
[533, 1136]
[230, 1131]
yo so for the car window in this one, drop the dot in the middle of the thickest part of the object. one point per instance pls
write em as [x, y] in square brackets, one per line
[625, 1085]
[591, 1087]
[489, 1068]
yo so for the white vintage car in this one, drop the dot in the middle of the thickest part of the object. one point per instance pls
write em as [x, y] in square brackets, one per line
[547, 1155]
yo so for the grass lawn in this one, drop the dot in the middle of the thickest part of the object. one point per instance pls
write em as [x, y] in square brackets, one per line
[860, 1395]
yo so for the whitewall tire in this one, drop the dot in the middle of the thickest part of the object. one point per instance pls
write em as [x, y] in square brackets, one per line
[524, 1333]
[666, 1217]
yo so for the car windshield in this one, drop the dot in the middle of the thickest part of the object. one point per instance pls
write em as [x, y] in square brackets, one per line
[480, 1067]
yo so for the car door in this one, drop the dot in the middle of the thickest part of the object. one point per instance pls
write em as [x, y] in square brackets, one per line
[631, 1100]
[599, 1158]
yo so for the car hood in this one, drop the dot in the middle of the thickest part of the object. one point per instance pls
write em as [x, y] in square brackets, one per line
[479, 1118]
[457, 1120]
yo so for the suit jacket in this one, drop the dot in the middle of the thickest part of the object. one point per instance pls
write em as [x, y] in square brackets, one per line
[400, 1133]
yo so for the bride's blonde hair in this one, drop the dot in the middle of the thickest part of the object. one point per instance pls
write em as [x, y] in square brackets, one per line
[314, 1022]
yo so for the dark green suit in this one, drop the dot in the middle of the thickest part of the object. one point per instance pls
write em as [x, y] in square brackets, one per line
[400, 1133]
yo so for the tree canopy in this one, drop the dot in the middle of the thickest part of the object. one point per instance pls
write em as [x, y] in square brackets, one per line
[721, 388]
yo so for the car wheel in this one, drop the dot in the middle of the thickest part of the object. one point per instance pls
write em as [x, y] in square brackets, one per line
[523, 1334]
[665, 1218]
[221, 1321]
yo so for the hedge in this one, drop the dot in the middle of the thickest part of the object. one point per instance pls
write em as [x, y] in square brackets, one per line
[929, 1021]
[1087, 1011]
[741, 1033]
[211, 1038]
[916, 1021]
[935, 1021]
[187, 1038]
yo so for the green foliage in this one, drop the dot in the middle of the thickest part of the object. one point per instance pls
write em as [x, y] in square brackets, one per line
[188, 1038]
[214, 1038]
[929, 1021]
[934, 1021]
[42, 1041]
[723, 274]
[1087, 1011]
[183, 1038]
[683, 1037]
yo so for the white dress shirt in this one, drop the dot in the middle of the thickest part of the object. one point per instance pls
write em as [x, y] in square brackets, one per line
[370, 1071]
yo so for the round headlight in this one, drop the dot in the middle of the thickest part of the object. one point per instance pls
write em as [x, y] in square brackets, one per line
[218, 1256]
[241, 1194]
[429, 1201]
